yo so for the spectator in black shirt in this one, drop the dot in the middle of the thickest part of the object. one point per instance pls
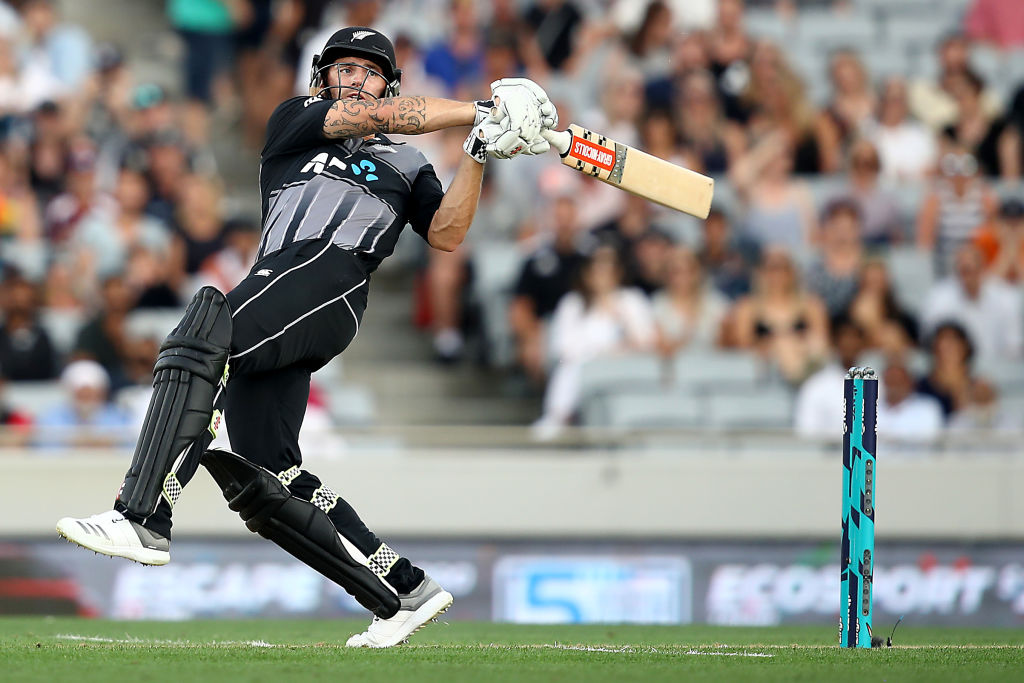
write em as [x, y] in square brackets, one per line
[546, 277]
[26, 352]
[627, 233]
[199, 225]
[726, 264]
[554, 23]
[104, 338]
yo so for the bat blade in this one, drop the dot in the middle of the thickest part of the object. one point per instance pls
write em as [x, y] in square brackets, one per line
[635, 171]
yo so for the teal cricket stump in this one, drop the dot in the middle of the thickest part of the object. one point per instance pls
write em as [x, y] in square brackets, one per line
[857, 548]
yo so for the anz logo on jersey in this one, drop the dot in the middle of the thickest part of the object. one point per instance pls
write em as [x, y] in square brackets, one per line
[324, 161]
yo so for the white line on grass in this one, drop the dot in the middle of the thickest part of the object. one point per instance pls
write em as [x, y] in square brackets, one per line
[173, 643]
[652, 650]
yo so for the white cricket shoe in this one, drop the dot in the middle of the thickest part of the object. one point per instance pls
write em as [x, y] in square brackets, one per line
[426, 602]
[110, 533]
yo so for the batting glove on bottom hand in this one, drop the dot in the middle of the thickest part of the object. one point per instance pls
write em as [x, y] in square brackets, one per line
[476, 142]
[491, 138]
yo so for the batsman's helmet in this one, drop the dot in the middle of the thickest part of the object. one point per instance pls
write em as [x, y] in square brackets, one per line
[359, 41]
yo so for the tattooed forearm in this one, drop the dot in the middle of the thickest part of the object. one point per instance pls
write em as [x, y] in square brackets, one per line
[405, 115]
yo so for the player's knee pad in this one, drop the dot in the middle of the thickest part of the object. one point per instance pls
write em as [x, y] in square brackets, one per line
[192, 363]
[303, 529]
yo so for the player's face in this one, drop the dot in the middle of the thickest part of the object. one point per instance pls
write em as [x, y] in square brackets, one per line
[355, 78]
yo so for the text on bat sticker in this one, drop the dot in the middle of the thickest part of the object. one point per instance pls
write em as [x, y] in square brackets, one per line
[591, 153]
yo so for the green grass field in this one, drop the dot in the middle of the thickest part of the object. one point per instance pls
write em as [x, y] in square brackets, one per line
[59, 650]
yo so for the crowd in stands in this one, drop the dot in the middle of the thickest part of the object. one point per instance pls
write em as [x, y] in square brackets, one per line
[863, 208]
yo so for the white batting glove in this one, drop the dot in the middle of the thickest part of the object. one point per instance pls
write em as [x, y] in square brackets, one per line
[478, 139]
[483, 110]
[492, 138]
[504, 86]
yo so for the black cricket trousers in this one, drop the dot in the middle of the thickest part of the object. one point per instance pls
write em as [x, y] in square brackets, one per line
[296, 310]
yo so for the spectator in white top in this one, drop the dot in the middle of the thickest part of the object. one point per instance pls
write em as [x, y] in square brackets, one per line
[989, 309]
[906, 147]
[819, 402]
[63, 48]
[903, 414]
[600, 319]
[688, 311]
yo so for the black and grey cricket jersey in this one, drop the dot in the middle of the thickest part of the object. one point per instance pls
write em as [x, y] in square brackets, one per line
[358, 193]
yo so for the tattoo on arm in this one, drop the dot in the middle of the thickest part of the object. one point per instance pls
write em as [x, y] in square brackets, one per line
[356, 118]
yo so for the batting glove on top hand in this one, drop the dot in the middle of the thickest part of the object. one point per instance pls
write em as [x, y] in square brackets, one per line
[504, 86]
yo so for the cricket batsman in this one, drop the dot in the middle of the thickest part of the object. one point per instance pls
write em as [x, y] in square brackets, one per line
[336, 194]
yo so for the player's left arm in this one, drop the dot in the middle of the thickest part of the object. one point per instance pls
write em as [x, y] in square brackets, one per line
[455, 214]
[348, 118]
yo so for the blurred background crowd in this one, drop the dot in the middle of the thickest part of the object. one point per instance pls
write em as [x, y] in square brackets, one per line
[869, 207]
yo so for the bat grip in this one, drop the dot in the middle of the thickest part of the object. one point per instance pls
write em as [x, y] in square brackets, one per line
[559, 139]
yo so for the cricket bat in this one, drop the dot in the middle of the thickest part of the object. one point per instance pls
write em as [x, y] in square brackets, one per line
[634, 171]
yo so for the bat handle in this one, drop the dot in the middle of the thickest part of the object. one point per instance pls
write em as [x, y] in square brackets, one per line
[559, 139]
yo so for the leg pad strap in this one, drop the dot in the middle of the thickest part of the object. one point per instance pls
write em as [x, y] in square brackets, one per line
[300, 527]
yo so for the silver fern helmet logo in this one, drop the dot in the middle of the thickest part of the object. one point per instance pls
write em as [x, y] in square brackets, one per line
[359, 35]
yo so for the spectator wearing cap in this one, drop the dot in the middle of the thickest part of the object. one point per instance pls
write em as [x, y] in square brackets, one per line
[546, 276]
[84, 418]
[1002, 244]
[26, 352]
[987, 307]
[833, 275]
[153, 112]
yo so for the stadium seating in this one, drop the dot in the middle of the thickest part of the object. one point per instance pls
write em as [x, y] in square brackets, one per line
[495, 269]
[715, 369]
[34, 398]
[912, 272]
[767, 408]
[637, 410]
[643, 372]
